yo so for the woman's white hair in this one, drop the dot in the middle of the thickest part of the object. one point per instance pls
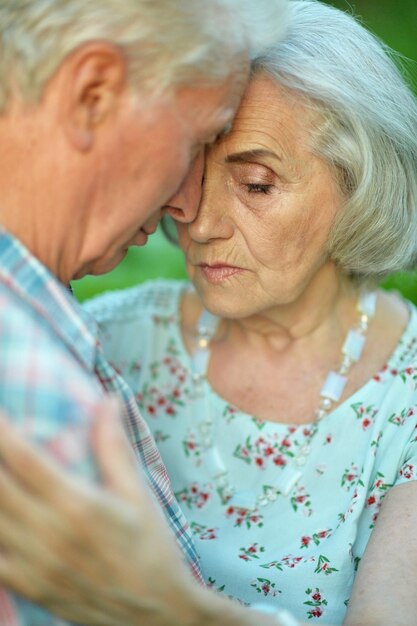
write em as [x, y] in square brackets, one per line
[367, 131]
[166, 42]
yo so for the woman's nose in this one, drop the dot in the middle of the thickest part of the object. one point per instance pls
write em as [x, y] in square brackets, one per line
[213, 220]
[183, 206]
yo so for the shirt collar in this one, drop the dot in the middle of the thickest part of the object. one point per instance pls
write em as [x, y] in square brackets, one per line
[43, 292]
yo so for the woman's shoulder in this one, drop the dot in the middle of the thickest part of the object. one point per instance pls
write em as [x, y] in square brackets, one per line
[156, 297]
[405, 353]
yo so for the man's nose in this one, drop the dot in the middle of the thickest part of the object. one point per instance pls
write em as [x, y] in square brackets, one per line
[152, 222]
[183, 206]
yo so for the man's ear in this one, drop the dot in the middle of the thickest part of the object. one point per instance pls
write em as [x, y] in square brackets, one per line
[92, 80]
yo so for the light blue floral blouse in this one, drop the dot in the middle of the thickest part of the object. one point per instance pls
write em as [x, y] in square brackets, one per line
[302, 550]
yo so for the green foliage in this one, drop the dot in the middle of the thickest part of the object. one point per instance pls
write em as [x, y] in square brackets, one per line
[158, 259]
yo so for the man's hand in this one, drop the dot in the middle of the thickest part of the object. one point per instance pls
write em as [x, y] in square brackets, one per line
[99, 555]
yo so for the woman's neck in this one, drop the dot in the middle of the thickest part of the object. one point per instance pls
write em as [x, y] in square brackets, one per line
[323, 312]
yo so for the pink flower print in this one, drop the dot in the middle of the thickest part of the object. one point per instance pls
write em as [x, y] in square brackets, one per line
[350, 477]
[291, 561]
[229, 413]
[364, 413]
[204, 533]
[259, 423]
[244, 517]
[317, 538]
[300, 499]
[195, 496]
[265, 587]
[272, 564]
[398, 420]
[170, 410]
[151, 409]
[323, 566]
[259, 462]
[407, 471]
[160, 436]
[136, 366]
[192, 448]
[252, 552]
[316, 601]
[279, 460]
[209, 534]
[376, 494]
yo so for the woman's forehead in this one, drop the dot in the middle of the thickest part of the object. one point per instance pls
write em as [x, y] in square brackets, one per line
[269, 119]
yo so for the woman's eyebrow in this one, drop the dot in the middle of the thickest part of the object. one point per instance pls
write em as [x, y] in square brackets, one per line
[249, 156]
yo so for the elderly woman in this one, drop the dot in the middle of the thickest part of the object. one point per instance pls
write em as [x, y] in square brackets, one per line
[281, 386]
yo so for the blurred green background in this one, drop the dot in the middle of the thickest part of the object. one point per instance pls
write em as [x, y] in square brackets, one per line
[394, 21]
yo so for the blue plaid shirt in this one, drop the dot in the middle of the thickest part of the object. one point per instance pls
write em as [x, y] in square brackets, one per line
[52, 374]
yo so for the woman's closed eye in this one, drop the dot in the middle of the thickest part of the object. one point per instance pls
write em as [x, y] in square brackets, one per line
[258, 188]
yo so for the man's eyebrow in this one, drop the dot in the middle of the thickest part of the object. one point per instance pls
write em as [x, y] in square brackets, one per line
[249, 156]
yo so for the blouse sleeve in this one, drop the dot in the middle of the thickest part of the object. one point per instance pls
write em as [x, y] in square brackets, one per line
[408, 469]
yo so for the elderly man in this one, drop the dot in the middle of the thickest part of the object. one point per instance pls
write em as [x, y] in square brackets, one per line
[105, 105]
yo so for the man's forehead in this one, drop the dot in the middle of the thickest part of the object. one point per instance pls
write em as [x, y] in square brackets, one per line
[222, 98]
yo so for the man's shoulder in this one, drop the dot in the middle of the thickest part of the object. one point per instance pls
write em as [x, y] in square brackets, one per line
[38, 371]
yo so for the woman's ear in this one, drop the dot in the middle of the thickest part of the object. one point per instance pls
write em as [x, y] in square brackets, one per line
[92, 81]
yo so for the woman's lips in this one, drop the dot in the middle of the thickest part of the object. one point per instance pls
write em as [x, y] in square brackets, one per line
[218, 273]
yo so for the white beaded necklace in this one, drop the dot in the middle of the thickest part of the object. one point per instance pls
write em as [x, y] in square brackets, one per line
[330, 393]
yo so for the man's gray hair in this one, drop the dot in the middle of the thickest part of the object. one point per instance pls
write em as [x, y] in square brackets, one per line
[166, 42]
[366, 130]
